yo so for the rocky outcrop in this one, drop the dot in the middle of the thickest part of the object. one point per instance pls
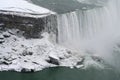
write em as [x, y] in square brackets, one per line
[53, 60]
[32, 26]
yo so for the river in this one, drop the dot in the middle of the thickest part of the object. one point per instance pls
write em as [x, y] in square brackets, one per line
[62, 73]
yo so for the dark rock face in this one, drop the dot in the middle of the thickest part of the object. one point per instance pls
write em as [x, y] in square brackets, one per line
[31, 26]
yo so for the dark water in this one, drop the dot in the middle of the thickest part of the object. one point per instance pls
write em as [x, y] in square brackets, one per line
[63, 74]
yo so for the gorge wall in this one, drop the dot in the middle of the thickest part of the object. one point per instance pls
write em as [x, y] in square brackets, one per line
[32, 26]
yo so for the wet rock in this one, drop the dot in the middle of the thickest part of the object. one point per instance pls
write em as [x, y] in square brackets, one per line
[25, 70]
[81, 62]
[53, 60]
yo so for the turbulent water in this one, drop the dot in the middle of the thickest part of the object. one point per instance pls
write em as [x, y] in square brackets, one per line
[94, 31]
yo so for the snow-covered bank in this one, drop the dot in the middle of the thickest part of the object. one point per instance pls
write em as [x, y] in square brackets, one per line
[23, 8]
[20, 54]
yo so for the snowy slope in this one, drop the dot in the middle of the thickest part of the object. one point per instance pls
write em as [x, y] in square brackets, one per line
[18, 53]
[22, 6]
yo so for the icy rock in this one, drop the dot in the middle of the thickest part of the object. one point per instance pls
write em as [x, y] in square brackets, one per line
[2, 41]
[53, 61]
[1, 37]
[9, 58]
[79, 66]
[6, 34]
[25, 53]
[36, 63]
[53, 58]
[5, 62]
[81, 62]
[13, 31]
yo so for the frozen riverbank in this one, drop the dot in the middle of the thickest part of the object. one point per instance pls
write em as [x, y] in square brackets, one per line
[20, 54]
[29, 55]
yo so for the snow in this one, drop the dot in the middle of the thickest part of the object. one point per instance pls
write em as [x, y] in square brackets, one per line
[18, 53]
[22, 6]
[21, 53]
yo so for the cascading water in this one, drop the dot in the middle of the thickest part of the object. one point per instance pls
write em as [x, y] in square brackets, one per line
[93, 31]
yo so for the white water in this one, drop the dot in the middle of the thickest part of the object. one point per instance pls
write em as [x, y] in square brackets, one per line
[94, 31]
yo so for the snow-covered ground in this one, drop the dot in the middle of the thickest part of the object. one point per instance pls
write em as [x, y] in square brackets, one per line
[24, 7]
[20, 54]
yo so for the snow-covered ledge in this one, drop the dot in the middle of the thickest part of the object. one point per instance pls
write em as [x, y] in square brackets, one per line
[31, 26]
[30, 18]
[23, 8]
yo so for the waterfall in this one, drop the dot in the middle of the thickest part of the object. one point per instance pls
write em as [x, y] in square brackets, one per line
[94, 31]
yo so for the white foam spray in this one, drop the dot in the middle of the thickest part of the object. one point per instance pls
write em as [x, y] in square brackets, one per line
[95, 31]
